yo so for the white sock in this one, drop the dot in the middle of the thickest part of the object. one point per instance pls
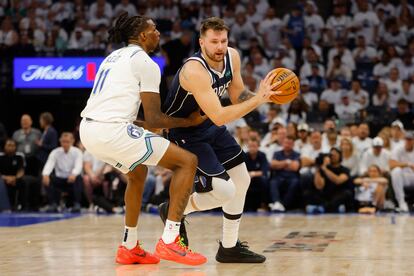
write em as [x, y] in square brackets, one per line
[171, 231]
[130, 237]
[230, 232]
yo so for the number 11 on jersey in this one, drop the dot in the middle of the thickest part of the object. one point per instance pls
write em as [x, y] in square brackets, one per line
[101, 80]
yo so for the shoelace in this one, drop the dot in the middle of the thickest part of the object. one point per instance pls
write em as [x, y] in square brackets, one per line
[243, 244]
[181, 243]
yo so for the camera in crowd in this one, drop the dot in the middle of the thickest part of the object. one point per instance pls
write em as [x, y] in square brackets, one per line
[320, 158]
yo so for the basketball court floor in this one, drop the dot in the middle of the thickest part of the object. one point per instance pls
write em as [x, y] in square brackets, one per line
[293, 244]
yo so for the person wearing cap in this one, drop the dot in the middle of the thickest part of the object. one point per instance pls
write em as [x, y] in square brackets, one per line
[333, 94]
[362, 142]
[376, 155]
[310, 97]
[347, 110]
[402, 169]
[397, 134]
[303, 134]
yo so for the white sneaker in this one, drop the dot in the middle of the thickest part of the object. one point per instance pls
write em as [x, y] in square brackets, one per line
[277, 207]
[403, 207]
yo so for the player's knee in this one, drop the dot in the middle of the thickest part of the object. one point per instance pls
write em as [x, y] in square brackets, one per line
[223, 190]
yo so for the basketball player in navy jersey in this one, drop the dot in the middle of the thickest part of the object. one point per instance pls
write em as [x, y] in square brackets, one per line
[222, 178]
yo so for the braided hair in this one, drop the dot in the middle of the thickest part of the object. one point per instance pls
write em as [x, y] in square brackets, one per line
[127, 27]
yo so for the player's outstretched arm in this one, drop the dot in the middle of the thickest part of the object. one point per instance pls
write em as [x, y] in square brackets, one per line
[194, 78]
[154, 118]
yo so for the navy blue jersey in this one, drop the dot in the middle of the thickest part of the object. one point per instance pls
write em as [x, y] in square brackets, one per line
[181, 103]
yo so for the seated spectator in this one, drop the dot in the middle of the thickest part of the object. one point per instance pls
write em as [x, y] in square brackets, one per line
[406, 69]
[397, 135]
[12, 172]
[331, 192]
[284, 182]
[350, 158]
[331, 141]
[333, 94]
[402, 169]
[49, 138]
[324, 112]
[362, 142]
[308, 157]
[366, 23]
[274, 142]
[94, 178]
[382, 69]
[295, 27]
[26, 139]
[310, 97]
[126, 6]
[303, 135]
[312, 60]
[377, 156]
[394, 85]
[408, 91]
[66, 162]
[347, 110]
[296, 112]
[258, 168]
[370, 190]
[343, 53]
[317, 82]
[358, 95]
[314, 23]
[363, 53]
[338, 24]
[339, 70]
[404, 114]
[380, 98]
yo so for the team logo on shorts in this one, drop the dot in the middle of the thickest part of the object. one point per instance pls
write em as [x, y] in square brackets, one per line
[134, 131]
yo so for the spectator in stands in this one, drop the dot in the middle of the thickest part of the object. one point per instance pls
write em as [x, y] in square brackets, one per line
[270, 31]
[12, 172]
[380, 98]
[358, 95]
[8, 36]
[302, 139]
[317, 82]
[311, 59]
[402, 169]
[274, 142]
[370, 190]
[338, 70]
[62, 11]
[333, 94]
[284, 183]
[242, 31]
[27, 139]
[296, 112]
[258, 168]
[295, 28]
[310, 97]
[397, 135]
[49, 138]
[377, 156]
[350, 158]
[331, 141]
[343, 53]
[331, 192]
[394, 85]
[125, 5]
[406, 68]
[314, 23]
[363, 53]
[362, 142]
[408, 91]
[347, 110]
[338, 24]
[106, 8]
[393, 35]
[366, 23]
[308, 157]
[404, 114]
[382, 69]
[66, 162]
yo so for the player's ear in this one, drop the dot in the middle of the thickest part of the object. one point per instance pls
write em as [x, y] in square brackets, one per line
[200, 40]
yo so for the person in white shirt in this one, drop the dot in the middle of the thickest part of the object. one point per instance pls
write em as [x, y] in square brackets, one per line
[332, 140]
[362, 142]
[366, 23]
[125, 6]
[394, 85]
[350, 158]
[93, 176]
[388, 8]
[380, 98]
[376, 155]
[242, 31]
[310, 98]
[402, 169]
[338, 24]
[347, 110]
[382, 69]
[308, 154]
[314, 23]
[406, 69]
[101, 4]
[358, 95]
[397, 135]
[270, 30]
[333, 94]
[66, 162]
[125, 79]
[344, 54]
[363, 53]
[303, 135]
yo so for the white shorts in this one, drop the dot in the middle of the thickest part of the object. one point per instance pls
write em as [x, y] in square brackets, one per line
[122, 145]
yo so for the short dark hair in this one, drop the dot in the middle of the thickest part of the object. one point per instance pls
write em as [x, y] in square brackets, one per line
[127, 27]
[47, 117]
[213, 23]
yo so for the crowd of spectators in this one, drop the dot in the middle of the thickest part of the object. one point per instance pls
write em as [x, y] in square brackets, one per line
[344, 144]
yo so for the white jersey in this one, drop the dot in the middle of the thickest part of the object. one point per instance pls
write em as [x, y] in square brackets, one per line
[121, 77]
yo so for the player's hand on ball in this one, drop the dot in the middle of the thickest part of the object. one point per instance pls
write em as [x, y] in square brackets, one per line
[266, 89]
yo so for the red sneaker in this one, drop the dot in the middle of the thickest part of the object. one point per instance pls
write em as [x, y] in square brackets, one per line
[136, 255]
[178, 252]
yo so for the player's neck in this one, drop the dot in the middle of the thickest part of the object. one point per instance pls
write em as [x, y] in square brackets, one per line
[135, 42]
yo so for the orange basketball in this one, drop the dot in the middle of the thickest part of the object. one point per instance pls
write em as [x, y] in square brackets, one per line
[289, 86]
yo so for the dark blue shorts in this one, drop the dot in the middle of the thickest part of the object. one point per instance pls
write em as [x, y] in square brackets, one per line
[216, 149]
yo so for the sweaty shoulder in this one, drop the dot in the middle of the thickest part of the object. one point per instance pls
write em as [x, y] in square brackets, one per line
[192, 70]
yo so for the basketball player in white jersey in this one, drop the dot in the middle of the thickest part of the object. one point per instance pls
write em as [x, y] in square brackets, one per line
[124, 79]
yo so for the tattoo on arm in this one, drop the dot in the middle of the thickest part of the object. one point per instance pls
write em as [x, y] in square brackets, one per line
[245, 95]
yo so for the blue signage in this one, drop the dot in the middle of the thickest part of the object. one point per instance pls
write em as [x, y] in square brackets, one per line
[66, 72]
